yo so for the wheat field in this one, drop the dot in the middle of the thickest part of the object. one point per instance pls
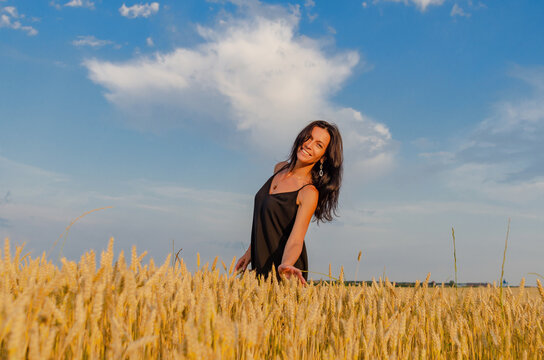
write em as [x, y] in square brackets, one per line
[116, 310]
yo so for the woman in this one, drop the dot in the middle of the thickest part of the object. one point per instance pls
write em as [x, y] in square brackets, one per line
[306, 185]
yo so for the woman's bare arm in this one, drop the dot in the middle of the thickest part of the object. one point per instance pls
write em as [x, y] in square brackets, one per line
[308, 202]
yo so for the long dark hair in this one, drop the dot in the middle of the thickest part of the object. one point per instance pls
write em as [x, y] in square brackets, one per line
[329, 184]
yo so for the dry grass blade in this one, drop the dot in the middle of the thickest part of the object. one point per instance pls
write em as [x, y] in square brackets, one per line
[503, 261]
[65, 233]
[454, 255]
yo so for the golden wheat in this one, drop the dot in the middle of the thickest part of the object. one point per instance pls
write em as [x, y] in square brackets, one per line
[138, 311]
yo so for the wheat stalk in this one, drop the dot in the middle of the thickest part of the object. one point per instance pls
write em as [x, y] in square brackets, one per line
[138, 311]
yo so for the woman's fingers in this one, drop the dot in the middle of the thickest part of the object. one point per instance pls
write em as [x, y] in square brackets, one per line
[301, 278]
[285, 270]
[298, 273]
[242, 264]
[288, 270]
[239, 264]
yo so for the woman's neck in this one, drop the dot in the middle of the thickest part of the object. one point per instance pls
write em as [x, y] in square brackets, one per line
[301, 170]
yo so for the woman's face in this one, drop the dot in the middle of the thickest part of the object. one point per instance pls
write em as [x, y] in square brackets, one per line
[315, 146]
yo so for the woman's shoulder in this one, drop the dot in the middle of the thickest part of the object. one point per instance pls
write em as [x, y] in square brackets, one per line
[279, 166]
[308, 194]
[309, 190]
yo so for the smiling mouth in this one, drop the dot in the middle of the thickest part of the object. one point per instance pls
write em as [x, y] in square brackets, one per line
[305, 152]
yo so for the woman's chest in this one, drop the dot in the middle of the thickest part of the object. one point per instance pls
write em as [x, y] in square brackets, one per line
[281, 207]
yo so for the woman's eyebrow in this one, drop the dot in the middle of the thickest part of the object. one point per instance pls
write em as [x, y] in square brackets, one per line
[317, 140]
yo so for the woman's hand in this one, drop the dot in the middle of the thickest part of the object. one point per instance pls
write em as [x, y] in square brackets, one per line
[243, 262]
[289, 270]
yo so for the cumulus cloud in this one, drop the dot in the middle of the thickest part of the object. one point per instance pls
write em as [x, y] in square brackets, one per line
[420, 4]
[10, 18]
[80, 3]
[258, 76]
[139, 10]
[89, 40]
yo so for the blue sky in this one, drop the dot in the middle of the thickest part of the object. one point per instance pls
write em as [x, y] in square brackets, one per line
[175, 113]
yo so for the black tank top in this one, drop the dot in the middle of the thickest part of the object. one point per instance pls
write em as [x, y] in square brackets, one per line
[273, 219]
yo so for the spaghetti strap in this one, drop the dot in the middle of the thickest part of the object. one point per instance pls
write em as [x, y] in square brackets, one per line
[276, 173]
[303, 186]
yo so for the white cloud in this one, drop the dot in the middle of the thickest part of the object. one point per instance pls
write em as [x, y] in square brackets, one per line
[10, 18]
[309, 4]
[139, 10]
[80, 3]
[91, 41]
[456, 10]
[502, 158]
[513, 132]
[30, 172]
[149, 41]
[486, 182]
[11, 10]
[54, 4]
[36, 205]
[479, 5]
[420, 4]
[254, 74]
[380, 215]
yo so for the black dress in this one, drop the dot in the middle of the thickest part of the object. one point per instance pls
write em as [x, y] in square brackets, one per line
[273, 219]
